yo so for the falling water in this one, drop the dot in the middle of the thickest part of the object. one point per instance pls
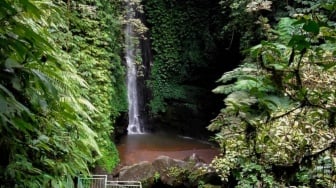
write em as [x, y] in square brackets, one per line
[134, 123]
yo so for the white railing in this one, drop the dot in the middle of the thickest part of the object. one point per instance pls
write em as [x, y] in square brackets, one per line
[126, 184]
[100, 181]
[93, 181]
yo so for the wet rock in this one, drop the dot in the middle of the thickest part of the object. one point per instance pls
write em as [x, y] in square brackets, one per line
[169, 172]
[138, 172]
[194, 158]
[163, 163]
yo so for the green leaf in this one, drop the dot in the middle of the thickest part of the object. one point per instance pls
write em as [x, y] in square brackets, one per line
[22, 125]
[299, 42]
[312, 27]
[266, 139]
[12, 63]
[5, 9]
[45, 82]
[3, 104]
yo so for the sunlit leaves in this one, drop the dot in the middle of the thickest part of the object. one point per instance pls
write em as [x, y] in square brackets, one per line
[96, 48]
[291, 121]
[258, 5]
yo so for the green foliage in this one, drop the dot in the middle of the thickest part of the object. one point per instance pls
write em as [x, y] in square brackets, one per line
[179, 174]
[96, 32]
[110, 156]
[44, 141]
[50, 132]
[241, 17]
[156, 176]
[253, 174]
[181, 43]
[279, 119]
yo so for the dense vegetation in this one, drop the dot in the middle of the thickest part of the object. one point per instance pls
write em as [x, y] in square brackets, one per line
[58, 95]
[97, 59]
[182, 44]
[278, 125]
[62, 86]
[187, 48]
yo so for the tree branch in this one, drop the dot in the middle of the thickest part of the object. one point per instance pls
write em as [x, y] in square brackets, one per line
[331, 145]
[288, 112]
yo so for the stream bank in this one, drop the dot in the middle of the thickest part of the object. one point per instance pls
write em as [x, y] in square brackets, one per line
[147, 147]
[165, 171]
[165, 160]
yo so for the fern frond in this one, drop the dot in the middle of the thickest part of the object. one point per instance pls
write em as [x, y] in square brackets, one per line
[244, 69]
[285, 29]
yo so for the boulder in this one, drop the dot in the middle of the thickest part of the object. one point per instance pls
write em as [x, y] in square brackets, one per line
[138, 172]
[169, 172]
[163, 163]
[194, 158]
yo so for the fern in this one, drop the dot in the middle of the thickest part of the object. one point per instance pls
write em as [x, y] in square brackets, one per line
[43, 135]
[244, 69]
[285, 29]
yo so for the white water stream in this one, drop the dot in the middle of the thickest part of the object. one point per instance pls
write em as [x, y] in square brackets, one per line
[134, 123]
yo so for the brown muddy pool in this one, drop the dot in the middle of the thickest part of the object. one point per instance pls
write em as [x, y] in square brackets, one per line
[146, 147]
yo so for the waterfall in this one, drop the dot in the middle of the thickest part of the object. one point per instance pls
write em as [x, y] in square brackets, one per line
[134, 121]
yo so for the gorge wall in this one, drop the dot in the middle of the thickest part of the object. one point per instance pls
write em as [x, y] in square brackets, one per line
[186, 54]
[183, 53]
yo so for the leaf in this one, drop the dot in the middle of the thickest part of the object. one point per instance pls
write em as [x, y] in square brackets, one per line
[299, 42]
[275, 102]
[45, 83]
[43, 138]
[31, 9]
[11, 63]
[312, 27]
[13, 101]
[328, 65]
[16, 82]
[19, 47]
[251, 78]
[329, 6]
[22, 125]
[3, 104]
[5, 9]
[87, 104]
[32, 37]
[222, 89]
[266, 139]
[286, 29]
[240, 98]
